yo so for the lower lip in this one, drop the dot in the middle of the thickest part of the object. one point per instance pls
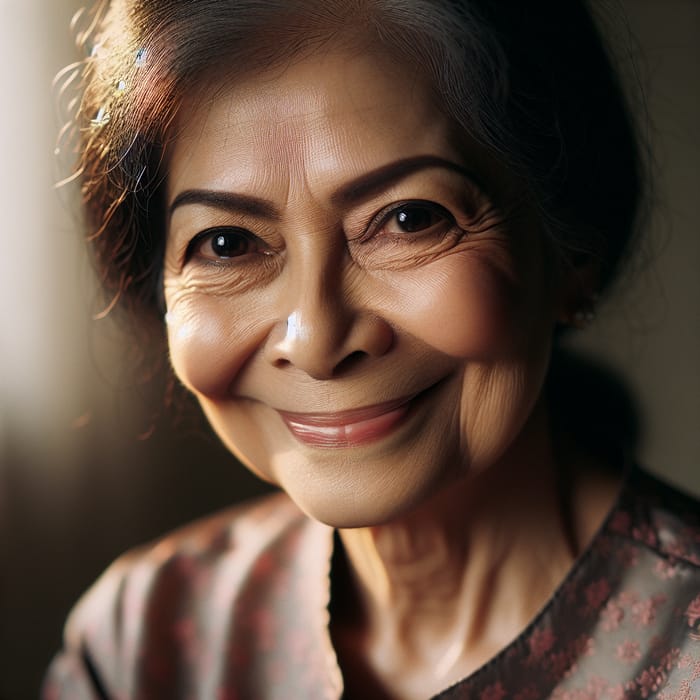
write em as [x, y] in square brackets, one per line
[350, 434]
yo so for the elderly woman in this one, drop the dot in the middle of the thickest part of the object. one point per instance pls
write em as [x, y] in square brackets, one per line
[367, 225]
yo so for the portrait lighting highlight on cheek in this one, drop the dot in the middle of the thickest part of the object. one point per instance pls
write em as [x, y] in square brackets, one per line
[352, 309]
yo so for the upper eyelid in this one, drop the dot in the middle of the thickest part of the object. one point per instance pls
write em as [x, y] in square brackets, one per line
[383, 215]
[191, 228]
[186, 252]
[449, 197]
[201, 236]
[203, 218]
[391, 209]
[426, 203]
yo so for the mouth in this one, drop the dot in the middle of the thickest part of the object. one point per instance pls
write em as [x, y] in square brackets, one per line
[351, 428]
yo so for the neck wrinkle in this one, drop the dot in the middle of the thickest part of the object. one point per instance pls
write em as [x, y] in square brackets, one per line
[474, 564]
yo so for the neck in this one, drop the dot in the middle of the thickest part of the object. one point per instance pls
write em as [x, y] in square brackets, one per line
[452, 582]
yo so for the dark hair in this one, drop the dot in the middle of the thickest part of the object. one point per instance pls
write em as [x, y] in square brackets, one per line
[531, 81]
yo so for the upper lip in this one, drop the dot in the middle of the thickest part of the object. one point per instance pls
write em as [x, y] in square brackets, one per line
[347, 417]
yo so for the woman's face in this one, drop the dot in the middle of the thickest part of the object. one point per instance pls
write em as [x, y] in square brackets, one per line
[360, 310]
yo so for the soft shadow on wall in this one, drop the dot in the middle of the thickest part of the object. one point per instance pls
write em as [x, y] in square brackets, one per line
[650, 332]
[77, 486]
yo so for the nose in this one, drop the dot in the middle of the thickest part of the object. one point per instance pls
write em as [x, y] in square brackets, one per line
[325, 334]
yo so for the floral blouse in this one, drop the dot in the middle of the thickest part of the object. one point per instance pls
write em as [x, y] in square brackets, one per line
[236, 608]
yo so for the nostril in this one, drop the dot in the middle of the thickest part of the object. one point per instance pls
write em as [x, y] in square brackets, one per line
[349, 362]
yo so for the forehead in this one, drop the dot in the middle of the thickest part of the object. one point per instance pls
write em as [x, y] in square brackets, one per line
[319, 119]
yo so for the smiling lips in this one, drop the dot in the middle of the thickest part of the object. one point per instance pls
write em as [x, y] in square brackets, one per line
[347, 428]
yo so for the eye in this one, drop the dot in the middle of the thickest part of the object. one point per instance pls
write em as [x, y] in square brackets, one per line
[224, 243]
[415, 217]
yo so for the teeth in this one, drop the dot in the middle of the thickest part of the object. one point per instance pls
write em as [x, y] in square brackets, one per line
[347, 434]
[329, 431]
[321, 435]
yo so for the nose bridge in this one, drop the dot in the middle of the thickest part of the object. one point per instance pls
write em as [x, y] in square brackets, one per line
[320, 324]
[319, 315]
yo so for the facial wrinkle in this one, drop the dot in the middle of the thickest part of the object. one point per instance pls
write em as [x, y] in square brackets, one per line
[456, 304]
[428, 582]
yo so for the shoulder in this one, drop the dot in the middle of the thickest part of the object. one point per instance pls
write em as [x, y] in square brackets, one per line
[185, 593]
[659, 516]
[238, 538]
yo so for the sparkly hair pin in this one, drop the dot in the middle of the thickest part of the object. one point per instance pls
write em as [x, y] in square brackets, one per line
[101, 118]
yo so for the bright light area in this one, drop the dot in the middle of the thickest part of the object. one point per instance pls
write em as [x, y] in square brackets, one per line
[43, 276]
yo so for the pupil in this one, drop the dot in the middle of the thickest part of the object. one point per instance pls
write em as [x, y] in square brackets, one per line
[227, 245]
[415, 219]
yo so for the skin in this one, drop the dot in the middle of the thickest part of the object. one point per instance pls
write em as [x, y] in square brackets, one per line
[450, 516]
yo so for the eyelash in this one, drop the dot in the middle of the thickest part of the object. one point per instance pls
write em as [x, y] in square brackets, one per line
[380, 220]
[384, 216]
[209, 233]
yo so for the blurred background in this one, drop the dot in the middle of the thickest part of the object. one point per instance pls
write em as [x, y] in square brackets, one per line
[79, 483]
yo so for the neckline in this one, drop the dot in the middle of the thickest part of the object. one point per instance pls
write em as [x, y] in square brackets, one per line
[547, 608]
[551, 603]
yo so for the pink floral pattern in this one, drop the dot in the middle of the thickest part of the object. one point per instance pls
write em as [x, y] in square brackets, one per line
[629, 652]
[596, 594]
[493, 692]
[693, 611]
[236, 608]
[540, 642]
[612, 615]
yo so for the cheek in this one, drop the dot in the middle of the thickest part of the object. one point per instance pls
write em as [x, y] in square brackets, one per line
[210, 339]
[463, 307]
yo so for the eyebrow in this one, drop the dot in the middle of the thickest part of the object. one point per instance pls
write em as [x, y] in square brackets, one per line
[358, 189]
[229, 201]
[380, 179]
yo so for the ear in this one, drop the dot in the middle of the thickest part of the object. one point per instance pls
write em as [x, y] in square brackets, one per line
[579, 281]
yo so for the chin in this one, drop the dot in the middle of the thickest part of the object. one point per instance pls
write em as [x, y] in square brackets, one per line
[344, 512]
[363, 492]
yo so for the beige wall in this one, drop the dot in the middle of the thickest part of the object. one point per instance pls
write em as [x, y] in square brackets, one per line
[651, 331]
[72, 498]
[39, 302]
